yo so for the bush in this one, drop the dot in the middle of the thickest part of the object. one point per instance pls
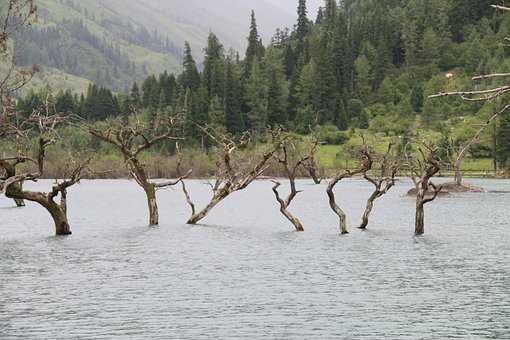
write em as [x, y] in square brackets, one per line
[331, 135]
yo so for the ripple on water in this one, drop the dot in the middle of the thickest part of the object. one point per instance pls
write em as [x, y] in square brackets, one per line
[246, 274]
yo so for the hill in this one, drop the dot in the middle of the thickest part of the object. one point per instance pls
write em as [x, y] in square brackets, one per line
[115, 42]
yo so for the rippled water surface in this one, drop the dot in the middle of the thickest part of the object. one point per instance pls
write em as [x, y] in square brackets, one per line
[245, 274]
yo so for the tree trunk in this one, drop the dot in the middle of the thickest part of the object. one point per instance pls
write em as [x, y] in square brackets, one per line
[315, 177]
[217, 198]
[19, 203]
[458, 172]
[332, 203]
[368, 211]
[297, 224]
[59, 216]
[150, 191]
[420, 219]
[57, 212]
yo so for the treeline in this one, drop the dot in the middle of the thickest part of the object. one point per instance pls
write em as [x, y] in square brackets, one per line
[360, 64]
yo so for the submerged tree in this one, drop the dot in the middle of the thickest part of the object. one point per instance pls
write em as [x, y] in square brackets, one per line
[134, 138]
[290, 168]
[422, 170]
[312, 165]
[366, 164]
[45, 124]
[232, 173]
[383, 182]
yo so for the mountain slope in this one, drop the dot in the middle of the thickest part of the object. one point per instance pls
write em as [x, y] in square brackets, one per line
[114, 42]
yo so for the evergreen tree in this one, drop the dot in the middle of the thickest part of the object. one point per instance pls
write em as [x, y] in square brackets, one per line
[134, 97]
[232, 101]
[256, 98]
[503, 141]
[254, 50]
[190, 77]
[214, 67]
[302, 23]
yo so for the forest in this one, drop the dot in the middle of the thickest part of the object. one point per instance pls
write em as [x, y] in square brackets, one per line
[361, 67]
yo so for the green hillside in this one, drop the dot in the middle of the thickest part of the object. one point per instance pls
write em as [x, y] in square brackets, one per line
[85, 39]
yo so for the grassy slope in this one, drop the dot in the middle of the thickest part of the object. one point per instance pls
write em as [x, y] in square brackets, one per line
[156, 62]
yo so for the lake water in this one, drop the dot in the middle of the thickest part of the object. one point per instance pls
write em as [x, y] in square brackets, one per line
[245, 274]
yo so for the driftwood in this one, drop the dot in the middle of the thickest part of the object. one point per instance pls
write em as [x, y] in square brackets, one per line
[133, 138]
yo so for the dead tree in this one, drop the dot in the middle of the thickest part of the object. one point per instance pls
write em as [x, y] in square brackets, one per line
[133, 138]
[422, 171]
[382, 183]
[366, 163]
[46, 136]
[184, 188]
[458, 156]
[290, 169]
[311, 164]
[479, 95]
[231, 176]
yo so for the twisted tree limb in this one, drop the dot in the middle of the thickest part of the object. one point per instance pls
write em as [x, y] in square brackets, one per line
[366, 163]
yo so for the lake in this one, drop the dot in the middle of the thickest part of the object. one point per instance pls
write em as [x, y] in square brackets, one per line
[245, 274]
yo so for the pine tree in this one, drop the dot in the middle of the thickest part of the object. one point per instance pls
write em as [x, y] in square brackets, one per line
[330, 12]
[254, 50]
[503, 141]
[214, 67]
[232, 101]
[302, 23]
[256, 98]
[134, 96]
[276, 102]
[320, 16]
[190, 76]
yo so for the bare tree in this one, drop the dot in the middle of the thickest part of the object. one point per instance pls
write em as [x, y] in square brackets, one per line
[232, 175]
[366, 163]
[422, 170]
[46, 125]
[290, 168]
[479, 95]
[180, 173]
[382, 183]
[311, 163]
[133, 138]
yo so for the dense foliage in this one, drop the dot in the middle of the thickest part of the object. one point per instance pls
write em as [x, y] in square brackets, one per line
[361, 64]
